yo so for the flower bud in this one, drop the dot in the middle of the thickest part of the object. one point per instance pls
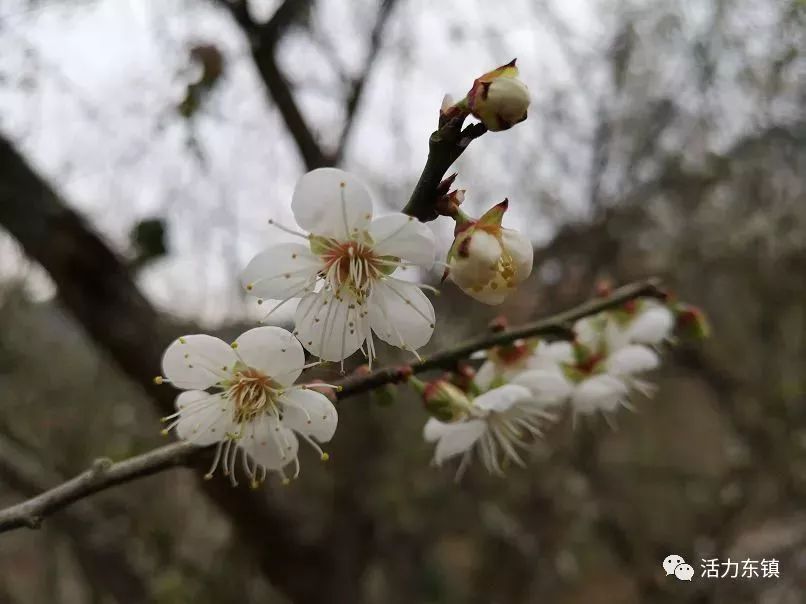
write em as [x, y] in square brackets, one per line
[488, 261]
[691, 322]
[442, 399]
[499, 99]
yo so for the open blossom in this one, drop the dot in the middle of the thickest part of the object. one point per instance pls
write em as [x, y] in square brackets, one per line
[643, 321]
[496, 424]
[343, 273]
[254, 408]
[486, 260]
[499, 98]
[589, 380]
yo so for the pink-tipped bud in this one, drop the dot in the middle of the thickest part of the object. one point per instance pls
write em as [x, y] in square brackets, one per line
[499, 99]
[444, 400]
[691, 322]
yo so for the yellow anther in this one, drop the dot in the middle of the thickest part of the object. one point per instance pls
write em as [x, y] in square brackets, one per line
[158, 380]
[164, 432]
[249, 287]
[208, 476]
[325, 456]
[286, 482]
[234, 345]
[254, 484]
[182, 341]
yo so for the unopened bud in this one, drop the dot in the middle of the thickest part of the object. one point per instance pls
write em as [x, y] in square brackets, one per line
[499, 98]
[443, 400]
[691, 322]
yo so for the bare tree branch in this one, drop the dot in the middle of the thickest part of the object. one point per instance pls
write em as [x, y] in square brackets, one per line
[354, 98]
[104, 474]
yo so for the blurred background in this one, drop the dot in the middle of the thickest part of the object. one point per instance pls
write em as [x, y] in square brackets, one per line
[665, 138]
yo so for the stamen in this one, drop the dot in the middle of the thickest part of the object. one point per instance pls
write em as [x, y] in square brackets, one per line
[285, 229]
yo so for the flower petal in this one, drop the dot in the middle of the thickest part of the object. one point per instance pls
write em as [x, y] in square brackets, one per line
[331, 202]
[281, 271]
[602, 393]
[551, 356]
[310, 413]
[632, 359]
[434, 429]
[549, 387]
[329, 326]
[485, 375]
[197, 361]
[273, 351]
[520, 251]
[403, 237]
[205, 418]
[458, 438]
[651, 326]
[401, 314]
[477, 266]
[269, 443]
[502, 398]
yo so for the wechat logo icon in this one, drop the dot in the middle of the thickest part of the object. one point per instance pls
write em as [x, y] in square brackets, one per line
[677, 566]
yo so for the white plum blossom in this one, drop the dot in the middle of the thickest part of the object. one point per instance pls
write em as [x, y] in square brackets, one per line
[645, 322]
[343, 272]
[496, 424]
[242, 396]
[488, 261]
[589, 381]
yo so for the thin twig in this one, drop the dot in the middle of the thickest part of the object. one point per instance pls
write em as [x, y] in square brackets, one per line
[105, 474]
[557, 326]
[102, 475]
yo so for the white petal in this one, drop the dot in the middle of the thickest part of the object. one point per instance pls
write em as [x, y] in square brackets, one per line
[489, 295]
[273, 351]
[403, 237]
[269, 443]
[434, 429]
[205, 418]
[550, 356]
[590, 331]
[197, 361]
[521, 251]
[458, 438]
[502, 398]
[479, 265]
[632, 359]
[547, 386]
[401, 314]
[281, 271]
[329, 327]
[652, 326]
[485, 375]
[331, 202]
[602, 392]
[310, 413]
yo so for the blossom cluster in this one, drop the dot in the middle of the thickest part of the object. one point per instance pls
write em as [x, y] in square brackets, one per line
[498, 411]
[344, 274]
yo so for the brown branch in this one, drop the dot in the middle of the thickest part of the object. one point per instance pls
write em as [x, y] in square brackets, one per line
[444, 147]
[104, 474]
[263, 39]
[556, 326]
